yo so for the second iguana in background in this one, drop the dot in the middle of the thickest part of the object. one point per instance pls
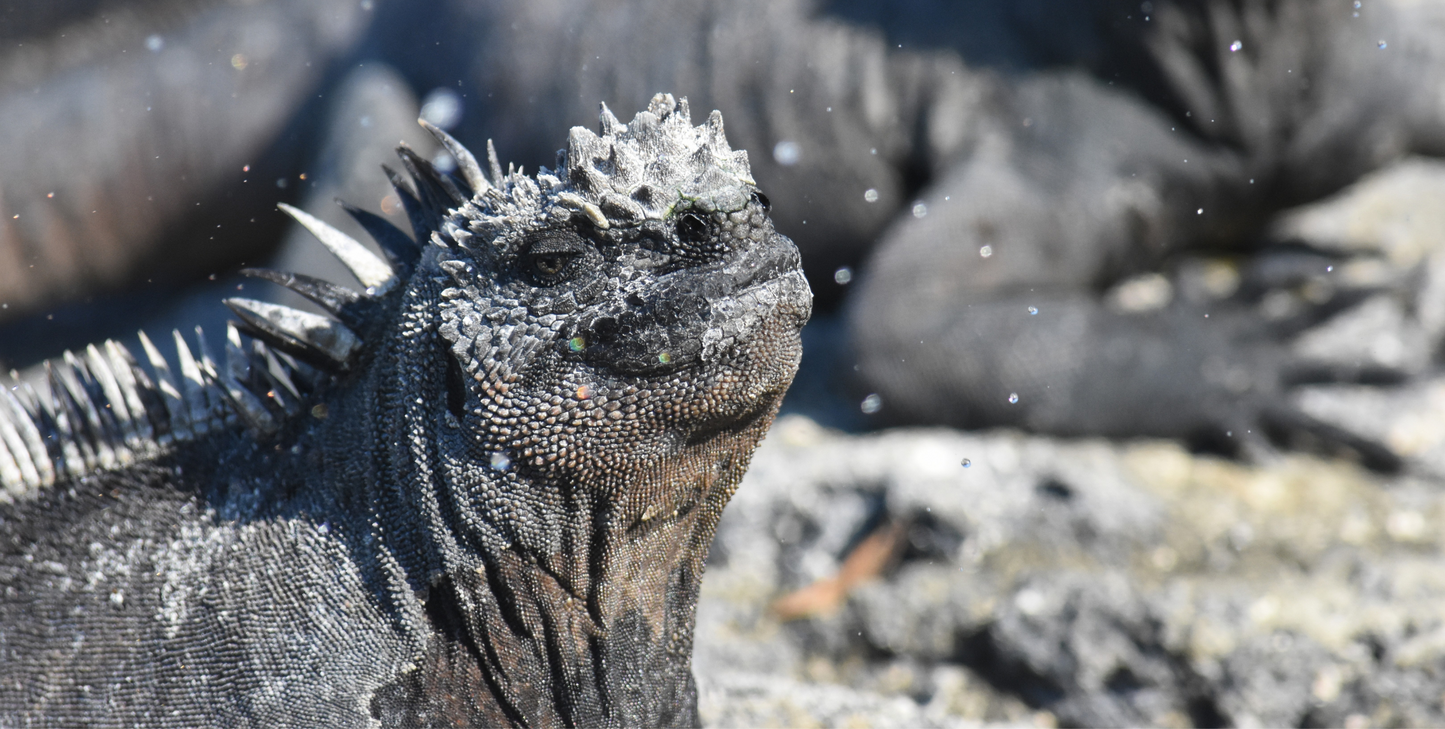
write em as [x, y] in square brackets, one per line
[481, 494]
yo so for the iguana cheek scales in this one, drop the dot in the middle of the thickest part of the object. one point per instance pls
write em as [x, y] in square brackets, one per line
[480, 492]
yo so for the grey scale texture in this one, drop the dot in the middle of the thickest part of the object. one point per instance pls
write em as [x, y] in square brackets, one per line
[481, 492]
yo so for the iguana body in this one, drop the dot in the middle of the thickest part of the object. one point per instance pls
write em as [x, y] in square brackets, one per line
[494, 510]
[993, 303]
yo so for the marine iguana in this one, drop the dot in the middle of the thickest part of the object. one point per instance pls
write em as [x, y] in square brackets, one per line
[482, 494]
[995, 302]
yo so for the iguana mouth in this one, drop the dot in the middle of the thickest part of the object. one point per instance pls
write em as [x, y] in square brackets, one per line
[762, 267]
[739, 316]
[693, 316]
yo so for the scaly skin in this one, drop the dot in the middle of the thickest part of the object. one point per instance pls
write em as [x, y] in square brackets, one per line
[495, 512]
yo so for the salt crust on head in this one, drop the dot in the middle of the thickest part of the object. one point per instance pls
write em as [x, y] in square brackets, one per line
[646, 169]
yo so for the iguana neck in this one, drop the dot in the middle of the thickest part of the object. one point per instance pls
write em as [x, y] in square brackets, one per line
[554, 594]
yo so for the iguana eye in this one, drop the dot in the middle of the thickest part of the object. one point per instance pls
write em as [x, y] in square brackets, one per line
[549, 264]
[552, 259]
[761, 199]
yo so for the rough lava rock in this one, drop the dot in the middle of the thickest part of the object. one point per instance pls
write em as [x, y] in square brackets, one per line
[1080, 582]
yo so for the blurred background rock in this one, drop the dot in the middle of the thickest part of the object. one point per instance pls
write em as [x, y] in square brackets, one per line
[1188, 254]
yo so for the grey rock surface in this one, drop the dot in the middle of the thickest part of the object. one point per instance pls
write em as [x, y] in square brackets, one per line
[1081, 582]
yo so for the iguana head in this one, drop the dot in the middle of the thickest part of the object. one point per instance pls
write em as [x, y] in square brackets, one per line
[646, 267]
[585, 329]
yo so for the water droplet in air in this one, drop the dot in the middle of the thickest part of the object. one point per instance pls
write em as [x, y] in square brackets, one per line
[500, 462]
[442, 107]
[1383, 45]
[1235, 46]
[1033, 310]
[967, 462]
[871, 404]
[155, 43]
[870, 195]
[1013, 397]
[843, 276]
[1199, 211]
[985, 251]
[1329, 269]
[787, 153]
[919, 210]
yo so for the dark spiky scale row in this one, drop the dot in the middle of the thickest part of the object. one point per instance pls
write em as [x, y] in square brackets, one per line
[103, 410]
[100, 411]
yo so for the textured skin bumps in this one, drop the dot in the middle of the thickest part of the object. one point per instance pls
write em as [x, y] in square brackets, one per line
[497, 513]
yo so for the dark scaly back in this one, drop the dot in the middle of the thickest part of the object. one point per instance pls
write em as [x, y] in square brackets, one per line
[503, 461]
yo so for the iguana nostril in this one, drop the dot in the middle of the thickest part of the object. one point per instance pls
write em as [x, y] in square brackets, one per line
[691, 228]
[604, 328]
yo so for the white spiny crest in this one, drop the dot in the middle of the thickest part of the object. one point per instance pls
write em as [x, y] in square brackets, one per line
[628, 173]
[371, 271]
